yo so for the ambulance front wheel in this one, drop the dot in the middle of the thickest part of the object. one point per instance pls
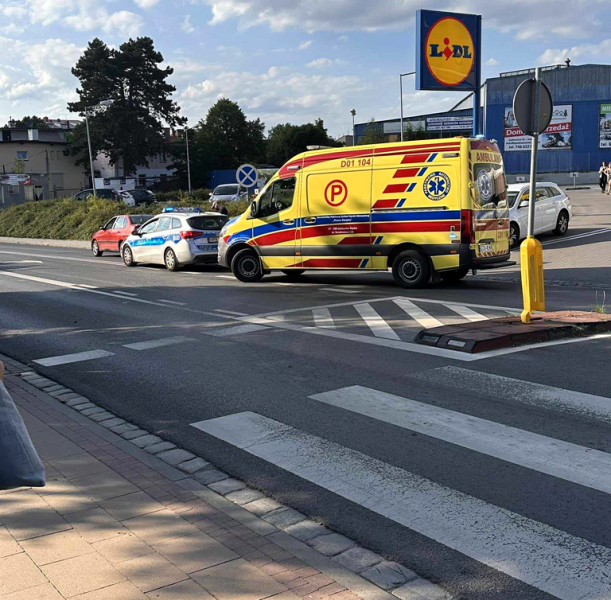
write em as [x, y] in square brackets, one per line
[246, 266]
[411, 269]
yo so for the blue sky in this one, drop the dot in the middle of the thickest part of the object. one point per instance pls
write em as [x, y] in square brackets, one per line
[281, 60]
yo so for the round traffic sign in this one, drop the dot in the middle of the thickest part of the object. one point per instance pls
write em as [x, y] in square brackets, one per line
[247, 176]
[524, 102]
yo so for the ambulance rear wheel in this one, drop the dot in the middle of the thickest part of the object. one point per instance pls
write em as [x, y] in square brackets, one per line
[246, 266]
[411, 269]
[293, 272]
[453, 276]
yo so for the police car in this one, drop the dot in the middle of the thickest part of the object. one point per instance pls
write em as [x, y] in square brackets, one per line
[178, 236]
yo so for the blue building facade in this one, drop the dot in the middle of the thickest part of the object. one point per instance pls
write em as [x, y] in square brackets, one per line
[578, 139]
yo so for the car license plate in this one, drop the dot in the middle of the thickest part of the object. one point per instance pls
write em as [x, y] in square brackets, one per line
[485, 247]
[213, 240]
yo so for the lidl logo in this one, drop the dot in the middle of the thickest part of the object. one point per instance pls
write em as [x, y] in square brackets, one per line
[449, 51]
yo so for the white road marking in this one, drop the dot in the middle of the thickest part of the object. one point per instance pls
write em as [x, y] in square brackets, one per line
[467, 313]
[19, 262]
[159, 343]
[173, 302]
[323, 318]
[53, 361]
[565, 566]
[87, 260]
[126, 293]
[416, 313]
[577, 464]
[282, 283]
[237, 330]
[230, 312]
[379, 327]
[226, 277]
[577, 237]
[85, 285]
[512, 310]
[278, 318]
[525, 392]
[340, 290]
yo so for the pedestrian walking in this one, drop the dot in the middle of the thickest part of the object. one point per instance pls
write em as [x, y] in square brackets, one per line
[218, 207]
[602, 177]
[20, 466]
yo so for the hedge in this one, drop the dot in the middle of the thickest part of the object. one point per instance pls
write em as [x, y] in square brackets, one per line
[69, 219]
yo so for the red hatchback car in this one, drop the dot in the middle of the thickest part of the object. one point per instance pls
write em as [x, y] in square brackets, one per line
[110, 236]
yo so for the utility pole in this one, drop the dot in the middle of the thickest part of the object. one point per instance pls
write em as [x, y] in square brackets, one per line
[401, 93]
[102, 104]
[353, 113]
[188, 159]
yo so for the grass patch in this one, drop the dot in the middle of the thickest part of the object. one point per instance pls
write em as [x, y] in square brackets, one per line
[68, 219]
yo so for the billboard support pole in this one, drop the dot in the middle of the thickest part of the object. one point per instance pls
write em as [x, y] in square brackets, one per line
[476, 103]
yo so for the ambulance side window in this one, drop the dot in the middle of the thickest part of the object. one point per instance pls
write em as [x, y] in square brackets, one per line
[278, 197]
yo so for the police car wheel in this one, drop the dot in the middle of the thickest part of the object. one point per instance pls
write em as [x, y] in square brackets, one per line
[293, 272]
[453, 276]
[411, 269]
[246, 266]
[128, 257]
[170, 260]
[95, 249]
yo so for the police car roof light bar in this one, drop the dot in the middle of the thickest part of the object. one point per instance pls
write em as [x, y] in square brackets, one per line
[180, 209]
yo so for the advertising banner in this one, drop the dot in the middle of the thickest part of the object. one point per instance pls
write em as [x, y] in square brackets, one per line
[604, 129]
[558, 136]
[449, 123]
[395, 126]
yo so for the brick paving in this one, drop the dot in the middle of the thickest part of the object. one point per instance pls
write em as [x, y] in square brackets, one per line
[126, 531]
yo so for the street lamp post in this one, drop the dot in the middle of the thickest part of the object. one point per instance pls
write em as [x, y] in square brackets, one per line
[188, 159]
[401, 92]
[353, 113]
[102, 104]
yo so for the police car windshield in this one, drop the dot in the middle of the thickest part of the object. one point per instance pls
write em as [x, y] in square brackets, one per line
[511, 198]
[202, 222]
[226, 190]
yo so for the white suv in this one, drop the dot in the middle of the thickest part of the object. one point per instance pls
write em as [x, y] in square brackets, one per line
[175, 237]
[553, 210]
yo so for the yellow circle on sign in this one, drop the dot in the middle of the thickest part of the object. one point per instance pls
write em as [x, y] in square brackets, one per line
[449, 51]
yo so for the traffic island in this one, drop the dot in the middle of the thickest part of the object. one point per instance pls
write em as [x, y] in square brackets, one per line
[508, 332]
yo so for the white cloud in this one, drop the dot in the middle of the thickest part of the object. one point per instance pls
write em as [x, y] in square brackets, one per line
[527, 19]
[321, 63]
[146, 4]
[123, 23]
[343, 38]
[556, 56]
[305, 44]
[187, 26]
[13, 12]
[491, 62]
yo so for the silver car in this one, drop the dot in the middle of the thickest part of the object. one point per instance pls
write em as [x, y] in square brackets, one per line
[175, 237]
[229, 192]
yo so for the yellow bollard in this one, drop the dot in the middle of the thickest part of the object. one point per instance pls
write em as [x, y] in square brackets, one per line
[531, 264]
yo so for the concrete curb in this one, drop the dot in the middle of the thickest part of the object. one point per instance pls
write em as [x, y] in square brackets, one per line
[330, 553]
[51, 243]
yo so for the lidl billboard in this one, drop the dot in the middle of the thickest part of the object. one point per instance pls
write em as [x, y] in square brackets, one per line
[448, 51]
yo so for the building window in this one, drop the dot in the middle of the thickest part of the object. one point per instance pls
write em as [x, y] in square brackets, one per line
[162, 157]
[22, 155]
[52, 155]
[13, 190]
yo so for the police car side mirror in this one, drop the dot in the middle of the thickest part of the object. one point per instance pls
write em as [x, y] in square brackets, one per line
[524, 203]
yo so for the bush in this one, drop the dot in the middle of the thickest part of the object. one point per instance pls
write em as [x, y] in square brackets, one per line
[68, 219]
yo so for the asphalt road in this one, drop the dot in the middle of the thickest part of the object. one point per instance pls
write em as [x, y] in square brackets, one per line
[511, 502]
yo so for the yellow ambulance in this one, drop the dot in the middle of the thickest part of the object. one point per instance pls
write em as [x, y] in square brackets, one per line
[432, 209]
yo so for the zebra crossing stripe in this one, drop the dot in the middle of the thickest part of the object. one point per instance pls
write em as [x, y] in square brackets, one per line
[323, 318]
[525, 392]
[577, 464]
[160, 343]
[379, 327]
[416, 313]
[467, 313]
[546, 558]
[53, 361]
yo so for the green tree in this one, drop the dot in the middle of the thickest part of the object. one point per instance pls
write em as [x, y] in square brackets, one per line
[131, 128]
[19, 166]
[374, 134]
[286, 140]
[414, 133]
[32, 122]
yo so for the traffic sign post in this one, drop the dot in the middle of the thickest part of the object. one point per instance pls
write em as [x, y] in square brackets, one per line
[532, 109]
[247, 176]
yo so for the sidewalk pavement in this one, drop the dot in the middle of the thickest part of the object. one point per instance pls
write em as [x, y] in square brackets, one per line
[110, 526]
